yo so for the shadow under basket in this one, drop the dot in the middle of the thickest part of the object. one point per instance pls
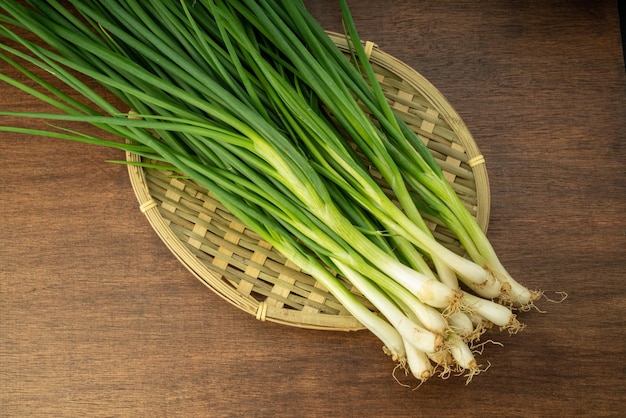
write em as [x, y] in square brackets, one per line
[235, 263]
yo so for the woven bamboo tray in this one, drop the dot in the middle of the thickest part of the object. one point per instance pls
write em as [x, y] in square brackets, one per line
[232, 261]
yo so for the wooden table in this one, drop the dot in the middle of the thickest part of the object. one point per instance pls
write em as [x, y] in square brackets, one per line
[97, 318]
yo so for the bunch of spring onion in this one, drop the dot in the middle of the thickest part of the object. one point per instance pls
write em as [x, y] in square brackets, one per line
[253, 100]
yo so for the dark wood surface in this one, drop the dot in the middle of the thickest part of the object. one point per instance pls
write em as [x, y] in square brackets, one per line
[97, 318]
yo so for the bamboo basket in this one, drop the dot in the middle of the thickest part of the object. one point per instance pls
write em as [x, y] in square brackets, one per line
[244, 270]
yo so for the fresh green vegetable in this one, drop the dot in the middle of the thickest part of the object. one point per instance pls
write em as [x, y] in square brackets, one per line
[252, 100]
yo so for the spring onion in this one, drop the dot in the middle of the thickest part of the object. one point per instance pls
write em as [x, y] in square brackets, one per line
[251, 99]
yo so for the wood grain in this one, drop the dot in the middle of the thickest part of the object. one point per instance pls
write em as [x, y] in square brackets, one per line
[97, 318]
